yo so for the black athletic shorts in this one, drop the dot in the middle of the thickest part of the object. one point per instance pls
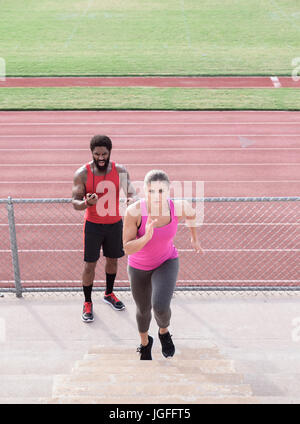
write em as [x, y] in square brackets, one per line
[107, 236]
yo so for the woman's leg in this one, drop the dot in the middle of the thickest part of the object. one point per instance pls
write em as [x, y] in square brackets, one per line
[163, 285]
[141, 289]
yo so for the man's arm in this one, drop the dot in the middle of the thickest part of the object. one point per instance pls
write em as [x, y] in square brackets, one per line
[126, 184]
[79, 192]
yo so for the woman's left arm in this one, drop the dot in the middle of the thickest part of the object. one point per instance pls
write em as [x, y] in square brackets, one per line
[184, 210]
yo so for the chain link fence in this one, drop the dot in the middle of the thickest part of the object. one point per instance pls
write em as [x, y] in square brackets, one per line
[248, 244]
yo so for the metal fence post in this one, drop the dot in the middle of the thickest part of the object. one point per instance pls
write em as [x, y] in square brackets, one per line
[14, 247]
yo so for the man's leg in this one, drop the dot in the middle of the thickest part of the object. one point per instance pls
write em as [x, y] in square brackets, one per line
[88, 276]
[92, 243]
[112, 250]
[111, 267]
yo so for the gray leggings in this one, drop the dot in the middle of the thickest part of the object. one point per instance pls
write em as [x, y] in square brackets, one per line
[153, 288]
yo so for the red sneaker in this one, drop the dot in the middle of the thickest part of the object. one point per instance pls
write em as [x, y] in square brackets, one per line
[114, 301]
[87, 313]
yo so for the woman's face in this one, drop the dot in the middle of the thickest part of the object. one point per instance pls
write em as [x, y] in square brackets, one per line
[157, 192]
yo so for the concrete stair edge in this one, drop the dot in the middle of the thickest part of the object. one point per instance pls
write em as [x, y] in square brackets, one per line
[155, 400]
[234, 378]
[75, 386]
[99, 349]
[202, 365]
[25, 400]
[192, 375]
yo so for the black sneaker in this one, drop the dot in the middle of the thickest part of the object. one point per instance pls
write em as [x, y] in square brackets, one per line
[145, 351]
[87, 313]
[114, 301]
[168, 348]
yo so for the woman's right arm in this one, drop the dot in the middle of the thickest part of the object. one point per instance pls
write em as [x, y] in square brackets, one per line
[131, 244]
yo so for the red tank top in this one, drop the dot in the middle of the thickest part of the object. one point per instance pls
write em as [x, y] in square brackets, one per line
[107, 187]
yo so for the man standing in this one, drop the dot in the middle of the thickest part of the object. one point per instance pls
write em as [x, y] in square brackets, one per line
[96, 188]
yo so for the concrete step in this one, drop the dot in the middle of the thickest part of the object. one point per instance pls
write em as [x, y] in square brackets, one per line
[23, 386]
[181, 350]
[156, 354]
[128, 366]
[36, 363]
[111, 375]
[82, 385]
[156, 400]
[164, 377]
[278, 400]
[25, 400]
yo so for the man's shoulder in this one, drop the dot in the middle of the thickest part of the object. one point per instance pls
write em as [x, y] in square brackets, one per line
[81, 172]
[120, 168]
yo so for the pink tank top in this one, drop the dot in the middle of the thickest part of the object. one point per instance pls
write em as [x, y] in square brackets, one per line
[160, 248]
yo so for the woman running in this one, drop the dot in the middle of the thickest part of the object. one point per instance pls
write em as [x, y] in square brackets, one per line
[150, 226]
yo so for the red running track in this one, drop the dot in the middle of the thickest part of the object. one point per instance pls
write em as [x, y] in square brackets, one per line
[234, 153]
[187, 82]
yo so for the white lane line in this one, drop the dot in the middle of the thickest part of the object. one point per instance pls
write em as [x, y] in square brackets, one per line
[45, 136]
[149, 123]
[276, 83]
[180, 250]
[230, 282]
[159, 164]
[44, 225]
[178, 281]
[180, 224]
[206, 182]
[153, 148]
[241, 250]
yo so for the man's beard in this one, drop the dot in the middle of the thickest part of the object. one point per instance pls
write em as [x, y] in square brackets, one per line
[103, 167]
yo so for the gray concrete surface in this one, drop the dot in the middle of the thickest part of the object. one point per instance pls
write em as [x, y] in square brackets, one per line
[42, 335]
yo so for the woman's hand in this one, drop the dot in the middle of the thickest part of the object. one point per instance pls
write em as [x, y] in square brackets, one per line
[196, 246]
[149, 227]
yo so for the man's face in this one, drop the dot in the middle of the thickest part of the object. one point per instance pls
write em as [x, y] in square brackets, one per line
[101, 156]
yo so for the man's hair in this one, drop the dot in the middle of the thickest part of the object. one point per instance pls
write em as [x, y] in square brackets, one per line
[99, 141]
[156, 175]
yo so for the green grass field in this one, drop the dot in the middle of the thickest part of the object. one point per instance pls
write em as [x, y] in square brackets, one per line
[148, 98]
[142, 37]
